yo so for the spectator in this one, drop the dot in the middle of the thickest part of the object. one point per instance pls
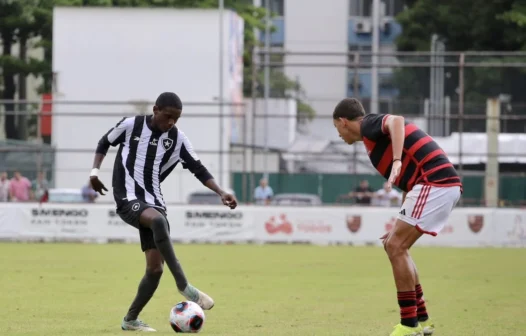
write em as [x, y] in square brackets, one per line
[4, 187]
[88, 194]
[40, 186]
[19, 188]
[386, 198]
[363, 193]
[263, 193]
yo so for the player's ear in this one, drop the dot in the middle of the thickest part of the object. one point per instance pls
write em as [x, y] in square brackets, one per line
[155, 109]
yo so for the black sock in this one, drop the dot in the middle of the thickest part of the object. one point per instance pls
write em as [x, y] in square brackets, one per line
[164, 245]
[421, 304]
[407, 303]
[147, 287]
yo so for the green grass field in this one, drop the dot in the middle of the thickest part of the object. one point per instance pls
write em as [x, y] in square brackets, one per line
[69, 289]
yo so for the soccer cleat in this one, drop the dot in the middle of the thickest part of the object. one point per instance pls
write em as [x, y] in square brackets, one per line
[428, 327]
[136, 325]
[195, 295]
[402, 330]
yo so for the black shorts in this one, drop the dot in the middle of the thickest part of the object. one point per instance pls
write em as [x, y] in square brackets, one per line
[130, 213]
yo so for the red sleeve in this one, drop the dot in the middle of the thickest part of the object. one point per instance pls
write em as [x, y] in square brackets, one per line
[373, 126]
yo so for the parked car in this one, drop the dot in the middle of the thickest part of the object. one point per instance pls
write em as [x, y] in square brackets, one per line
[207, 197]
[65, 195]
[296, 199]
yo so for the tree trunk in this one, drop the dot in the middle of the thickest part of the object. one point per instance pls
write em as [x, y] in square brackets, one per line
[9, 94]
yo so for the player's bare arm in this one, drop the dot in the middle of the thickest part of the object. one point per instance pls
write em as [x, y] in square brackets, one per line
[395, 126]
[192, 163]
[113, 137]
[96, 184]
[100, 153]
[227, 198]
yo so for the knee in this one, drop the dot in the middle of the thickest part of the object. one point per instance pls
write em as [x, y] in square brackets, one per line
[155, 271]
[395, 248]
[160, 228]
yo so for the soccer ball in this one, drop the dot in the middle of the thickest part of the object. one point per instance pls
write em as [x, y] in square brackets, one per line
[187, 317]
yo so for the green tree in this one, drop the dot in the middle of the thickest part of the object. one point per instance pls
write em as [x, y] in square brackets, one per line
[17, 26]
[22, 19]
[464, 25]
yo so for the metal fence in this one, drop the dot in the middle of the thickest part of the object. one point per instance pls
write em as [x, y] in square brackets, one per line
[444, 92]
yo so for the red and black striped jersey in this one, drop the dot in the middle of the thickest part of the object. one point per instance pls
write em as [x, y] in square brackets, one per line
[423, 161]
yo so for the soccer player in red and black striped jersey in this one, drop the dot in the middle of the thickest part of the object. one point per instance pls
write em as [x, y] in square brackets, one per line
[411, 160]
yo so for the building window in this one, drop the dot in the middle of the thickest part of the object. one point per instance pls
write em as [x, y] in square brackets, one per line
[393, 7]
[353, 48]
[365, 7]
[360, 7]
[354, 7]
[276, 6]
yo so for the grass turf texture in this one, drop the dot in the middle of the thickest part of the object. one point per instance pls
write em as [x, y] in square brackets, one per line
[70, 289]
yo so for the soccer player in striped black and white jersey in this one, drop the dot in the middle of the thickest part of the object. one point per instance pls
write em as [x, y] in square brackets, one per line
[411, 160]
[149, 149]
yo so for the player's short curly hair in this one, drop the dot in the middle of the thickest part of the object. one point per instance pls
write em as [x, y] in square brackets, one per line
[348, 108]
[169, 99]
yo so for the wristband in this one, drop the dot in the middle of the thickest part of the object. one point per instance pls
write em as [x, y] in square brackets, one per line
[94, 172]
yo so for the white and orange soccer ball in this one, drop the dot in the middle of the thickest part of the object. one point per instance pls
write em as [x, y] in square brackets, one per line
[187, 317]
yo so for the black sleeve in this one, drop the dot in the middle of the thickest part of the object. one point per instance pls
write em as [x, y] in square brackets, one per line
[113, 137]
[191, 162]
[373, 126]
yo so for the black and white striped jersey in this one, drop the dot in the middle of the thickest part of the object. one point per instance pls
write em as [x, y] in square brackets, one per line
[146, 157]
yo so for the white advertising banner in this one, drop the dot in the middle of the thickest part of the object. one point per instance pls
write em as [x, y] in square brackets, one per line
[297, 225]
[212, 224]
[49, 222]
[467, 227]
[510, 227]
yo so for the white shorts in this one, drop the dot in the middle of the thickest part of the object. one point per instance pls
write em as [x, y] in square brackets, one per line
[428, 207]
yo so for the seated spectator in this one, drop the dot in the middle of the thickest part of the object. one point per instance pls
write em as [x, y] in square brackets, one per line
[263, 193]
[40, 187]
[19, 188]
[363, 193]
[88, 194]
[4, 187]
[386, 198]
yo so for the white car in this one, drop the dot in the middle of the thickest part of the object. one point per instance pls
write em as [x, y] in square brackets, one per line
[206, 197]
[65, 195]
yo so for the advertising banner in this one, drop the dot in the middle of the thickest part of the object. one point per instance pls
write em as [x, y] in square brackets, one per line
[214, 224]
[466, 227]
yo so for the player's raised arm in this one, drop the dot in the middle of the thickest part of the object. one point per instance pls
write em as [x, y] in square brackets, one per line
[191, 161]
[113, 137]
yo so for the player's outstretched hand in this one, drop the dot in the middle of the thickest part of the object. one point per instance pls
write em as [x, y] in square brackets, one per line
[97, 185]
[229, 200]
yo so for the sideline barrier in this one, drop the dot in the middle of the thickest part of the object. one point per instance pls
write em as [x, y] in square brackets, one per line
[467, 227]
